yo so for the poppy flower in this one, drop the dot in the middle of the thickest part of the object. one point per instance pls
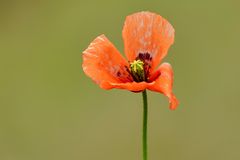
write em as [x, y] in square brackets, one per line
[147, 37]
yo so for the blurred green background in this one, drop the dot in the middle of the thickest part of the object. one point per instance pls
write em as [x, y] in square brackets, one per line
[49, 110]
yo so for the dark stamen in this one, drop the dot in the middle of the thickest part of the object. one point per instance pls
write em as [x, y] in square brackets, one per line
[146, 58]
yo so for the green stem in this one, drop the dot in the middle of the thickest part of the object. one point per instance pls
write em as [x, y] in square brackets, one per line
[145, 117]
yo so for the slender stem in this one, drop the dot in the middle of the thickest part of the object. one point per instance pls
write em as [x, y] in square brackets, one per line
[145, 117]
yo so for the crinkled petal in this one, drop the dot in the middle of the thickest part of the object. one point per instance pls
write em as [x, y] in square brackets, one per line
[147, 32]
[131, 86]
[104, 64]
[164, 83]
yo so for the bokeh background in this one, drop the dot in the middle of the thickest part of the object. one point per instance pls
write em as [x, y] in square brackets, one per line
[49, 110]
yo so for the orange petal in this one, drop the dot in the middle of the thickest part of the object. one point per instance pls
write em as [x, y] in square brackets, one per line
[164, 83]
[131, 86]
[146, 32]
[104, 64]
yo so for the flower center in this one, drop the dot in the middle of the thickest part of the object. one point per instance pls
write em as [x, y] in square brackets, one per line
[137, 70]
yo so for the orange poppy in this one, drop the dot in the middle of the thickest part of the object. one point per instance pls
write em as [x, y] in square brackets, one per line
[147, 38]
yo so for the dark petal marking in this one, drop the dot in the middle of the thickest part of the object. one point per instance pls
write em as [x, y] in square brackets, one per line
[123, 74]
[118, 74]
[127, 69]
